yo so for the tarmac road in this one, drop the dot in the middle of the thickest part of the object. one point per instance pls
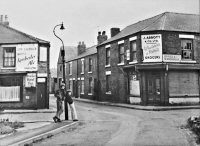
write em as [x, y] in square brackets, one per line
[115, 126]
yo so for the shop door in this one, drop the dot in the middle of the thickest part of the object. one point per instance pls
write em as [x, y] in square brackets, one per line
[153, 83]
[41, 95]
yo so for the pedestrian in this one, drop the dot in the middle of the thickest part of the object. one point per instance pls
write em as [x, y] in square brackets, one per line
[62, 95]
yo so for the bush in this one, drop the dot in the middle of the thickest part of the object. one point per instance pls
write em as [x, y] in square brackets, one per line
[7, 127]
[194, 124]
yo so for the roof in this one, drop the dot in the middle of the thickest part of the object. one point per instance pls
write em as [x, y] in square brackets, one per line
[9, 35]
[88, 51]
[167, 21]
[70, 52]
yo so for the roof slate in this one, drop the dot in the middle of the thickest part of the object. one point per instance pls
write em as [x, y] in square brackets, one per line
[9, 35]
[168, 21]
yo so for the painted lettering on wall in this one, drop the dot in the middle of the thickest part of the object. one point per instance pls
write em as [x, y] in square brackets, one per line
[152, 47]
[26, 57]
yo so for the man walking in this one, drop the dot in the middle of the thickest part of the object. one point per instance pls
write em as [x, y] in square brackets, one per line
[62, 95]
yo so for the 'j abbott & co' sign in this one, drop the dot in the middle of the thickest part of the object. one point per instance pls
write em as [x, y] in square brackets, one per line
[152, 47]
[26, 57]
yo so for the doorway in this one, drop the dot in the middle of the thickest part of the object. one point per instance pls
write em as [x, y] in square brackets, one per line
[153, 89]
[41, 95]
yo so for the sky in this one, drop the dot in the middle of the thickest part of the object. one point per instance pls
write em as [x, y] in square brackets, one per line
[83, 19]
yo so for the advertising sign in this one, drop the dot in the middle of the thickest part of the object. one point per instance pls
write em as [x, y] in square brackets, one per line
[30, 80]
[171, 58]
[152, 47]
[27, 57]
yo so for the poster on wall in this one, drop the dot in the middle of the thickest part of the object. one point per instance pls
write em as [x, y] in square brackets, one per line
[27, 57]
[152, 47]
[30, 80]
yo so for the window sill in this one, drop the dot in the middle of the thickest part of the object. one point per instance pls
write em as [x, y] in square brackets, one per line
[107, 65]
[119, 64]
[70, 74]
[90, 72]
[133, 62]
[90, 94]
[188, 61]
[8, 68]
[82, 93]
[82, 73]
[109, 92]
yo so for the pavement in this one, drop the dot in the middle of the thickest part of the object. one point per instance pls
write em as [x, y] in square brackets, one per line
[38, 124]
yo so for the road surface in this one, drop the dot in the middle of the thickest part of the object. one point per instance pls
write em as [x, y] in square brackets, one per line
[114, 126]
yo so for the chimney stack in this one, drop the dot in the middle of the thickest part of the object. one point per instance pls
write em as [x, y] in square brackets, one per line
[114, 31]
[81, 47]
[1, 19]
[101, 37]
[5, 21]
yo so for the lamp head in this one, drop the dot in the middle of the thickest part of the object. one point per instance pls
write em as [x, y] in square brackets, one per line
[62, 26]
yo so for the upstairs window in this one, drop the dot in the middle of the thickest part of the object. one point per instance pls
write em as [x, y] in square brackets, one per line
[107, 56]
[82, 66]
[186, 46]
[121, 53]
[9, 57]
[133, 51]
[90, 64]
[70, 68]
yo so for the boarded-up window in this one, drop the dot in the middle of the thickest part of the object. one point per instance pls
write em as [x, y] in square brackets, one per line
[183, 84]
[134, 86]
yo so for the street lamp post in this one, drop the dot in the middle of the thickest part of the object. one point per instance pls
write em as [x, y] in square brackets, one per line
[63, 64]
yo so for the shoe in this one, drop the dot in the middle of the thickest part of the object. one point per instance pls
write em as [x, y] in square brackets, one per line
[75, 120]
[58, 120]
[55, 119]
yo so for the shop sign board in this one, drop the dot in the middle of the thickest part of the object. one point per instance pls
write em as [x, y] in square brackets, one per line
[30, 80]
[171, 58]
[27, 57]
[152, 48]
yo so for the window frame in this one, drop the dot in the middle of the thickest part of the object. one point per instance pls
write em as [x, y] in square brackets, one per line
[107, 56]
[108, 84]
[4, 50]
[70, 68]
[132, 51]
[190, 50]
[121, 56]
[82, 66]
[90, 85]
[82, 86]
[90, 64]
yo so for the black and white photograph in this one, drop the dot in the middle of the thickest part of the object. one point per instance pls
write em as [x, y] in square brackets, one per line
[99, 73]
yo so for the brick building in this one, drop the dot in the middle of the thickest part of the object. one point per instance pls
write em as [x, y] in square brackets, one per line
[81, 75]
[152, 62]
[24, 69]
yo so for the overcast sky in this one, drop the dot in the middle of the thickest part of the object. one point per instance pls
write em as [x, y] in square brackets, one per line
[84, 18]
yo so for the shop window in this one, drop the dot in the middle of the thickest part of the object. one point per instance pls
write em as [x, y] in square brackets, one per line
[186, 46]
[90, 85]
[133, 51]
[9, 57]
[11, 89]
[108, 90]
[90, 64]
[107, 56]
[121, 53]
